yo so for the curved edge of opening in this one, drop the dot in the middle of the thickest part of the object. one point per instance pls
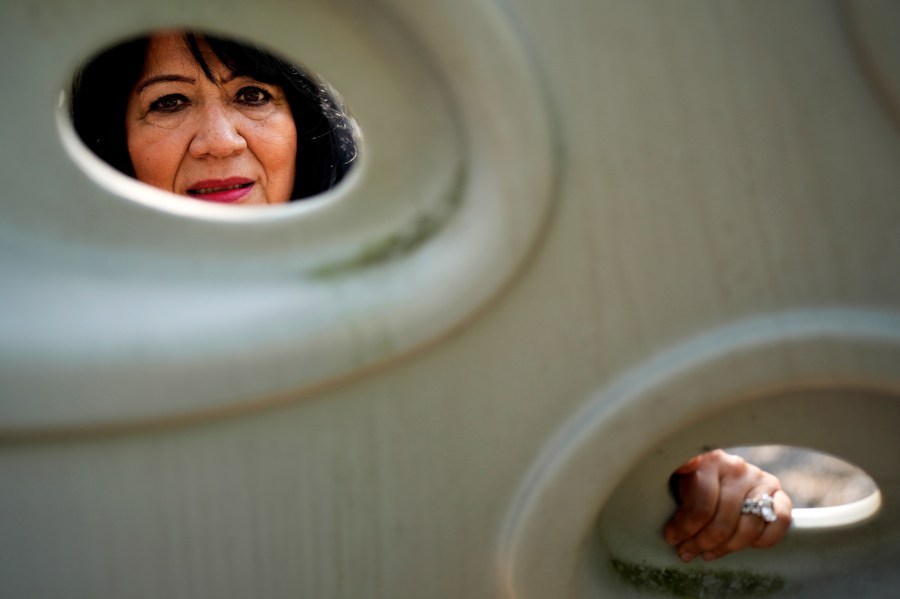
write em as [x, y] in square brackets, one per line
[828, 490]
[133, 191]
[126, 187]
[837, 516]
[535, 553]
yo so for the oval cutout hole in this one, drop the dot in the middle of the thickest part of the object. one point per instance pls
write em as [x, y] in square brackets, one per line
[827, 491]
[213, 119]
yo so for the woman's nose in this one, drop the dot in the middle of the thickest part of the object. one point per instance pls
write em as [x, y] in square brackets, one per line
[217, 133]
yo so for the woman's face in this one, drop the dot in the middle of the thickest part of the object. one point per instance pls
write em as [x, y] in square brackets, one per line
[232, 140]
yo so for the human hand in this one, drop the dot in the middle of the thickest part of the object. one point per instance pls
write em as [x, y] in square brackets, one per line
[711, 489]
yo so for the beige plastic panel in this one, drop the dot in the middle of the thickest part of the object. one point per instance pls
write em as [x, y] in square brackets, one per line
[588, 517]
[488, 411]
[159, 309]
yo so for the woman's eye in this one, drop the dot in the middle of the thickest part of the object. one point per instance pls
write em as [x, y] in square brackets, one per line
[253, 96]
[169, 103]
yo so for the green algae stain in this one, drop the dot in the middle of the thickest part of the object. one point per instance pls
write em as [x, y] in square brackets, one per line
[401, 243]
[697, 584]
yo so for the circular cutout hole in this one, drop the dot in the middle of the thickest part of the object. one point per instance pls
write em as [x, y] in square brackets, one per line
[213, 119]
[812, 479]
[826, 491]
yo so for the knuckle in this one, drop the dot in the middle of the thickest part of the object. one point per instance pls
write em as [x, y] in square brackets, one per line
[767, 478]
[717, 455]
[740, 466]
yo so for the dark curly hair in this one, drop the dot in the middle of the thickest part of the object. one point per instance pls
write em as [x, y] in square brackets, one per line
[326, 135]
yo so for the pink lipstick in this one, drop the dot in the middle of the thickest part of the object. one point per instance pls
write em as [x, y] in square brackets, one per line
[222, 191]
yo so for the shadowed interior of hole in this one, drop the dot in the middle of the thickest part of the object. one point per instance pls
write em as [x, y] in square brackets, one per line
[625, 560]
[327, 136]
[812, 479]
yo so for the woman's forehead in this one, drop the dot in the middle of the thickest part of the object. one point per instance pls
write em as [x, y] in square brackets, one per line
[169, 52]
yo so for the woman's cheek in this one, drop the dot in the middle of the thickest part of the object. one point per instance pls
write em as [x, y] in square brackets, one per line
[155, 158]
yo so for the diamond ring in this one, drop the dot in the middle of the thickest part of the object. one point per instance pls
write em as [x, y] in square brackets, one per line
[763, 506]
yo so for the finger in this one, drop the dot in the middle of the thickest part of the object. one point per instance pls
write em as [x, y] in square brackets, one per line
[775, 531]
[737, 480]
[699, 495]
[753, 530]
[749, 529]
[691, 465]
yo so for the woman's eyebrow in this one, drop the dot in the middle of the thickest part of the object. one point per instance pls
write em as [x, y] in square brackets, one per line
[163, 79]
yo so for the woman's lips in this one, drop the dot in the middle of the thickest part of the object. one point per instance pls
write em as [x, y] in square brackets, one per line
[223, 191]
